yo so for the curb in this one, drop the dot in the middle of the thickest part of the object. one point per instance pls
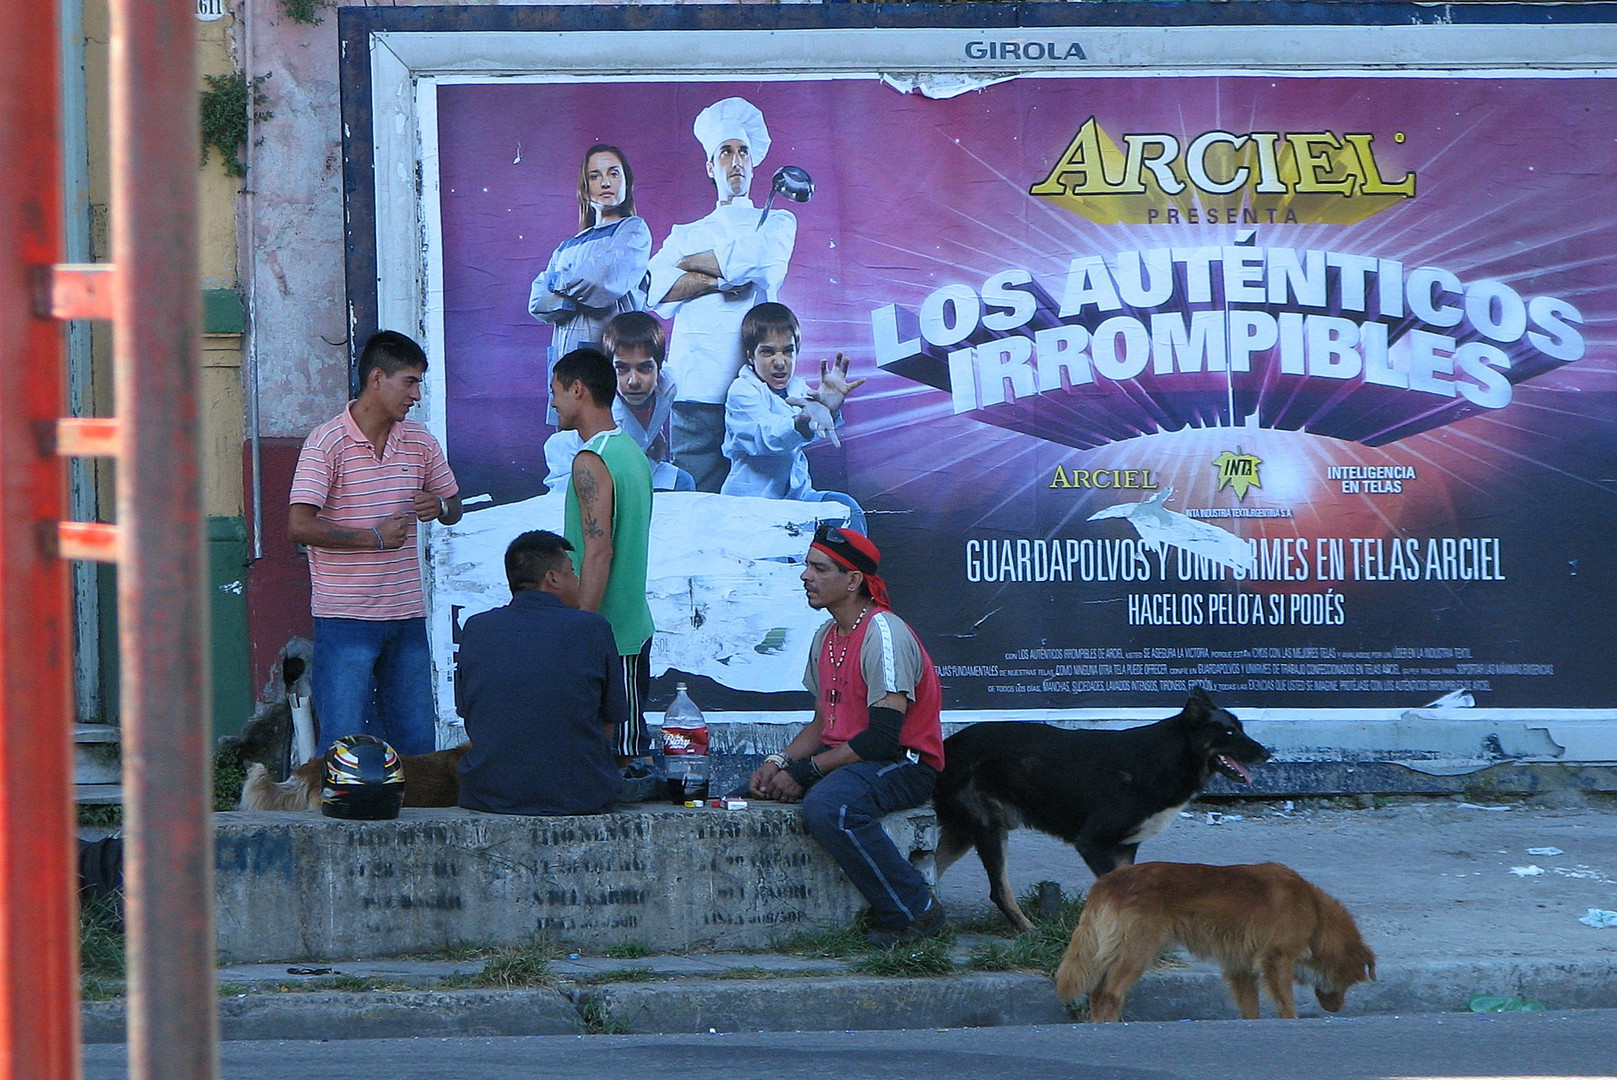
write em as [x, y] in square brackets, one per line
[842, 1003]
[854, 1002]
[368, 1015]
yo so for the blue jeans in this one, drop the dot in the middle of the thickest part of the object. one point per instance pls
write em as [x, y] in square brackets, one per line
[696, 435]
[375, 677]
[844, 813]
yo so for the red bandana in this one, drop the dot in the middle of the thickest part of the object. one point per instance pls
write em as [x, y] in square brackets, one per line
[853, 551]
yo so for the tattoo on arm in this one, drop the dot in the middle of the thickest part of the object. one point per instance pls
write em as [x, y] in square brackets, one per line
[588, 491]
[592, 484]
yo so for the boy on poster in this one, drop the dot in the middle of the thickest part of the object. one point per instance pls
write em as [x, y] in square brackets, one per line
[635, 343]
[771, 415]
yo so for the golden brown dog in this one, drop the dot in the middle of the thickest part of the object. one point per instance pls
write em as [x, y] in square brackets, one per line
[1255, 920]
[429, 780]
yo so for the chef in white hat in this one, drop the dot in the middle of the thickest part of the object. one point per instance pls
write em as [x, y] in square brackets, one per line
[706, 277]
[733, 134]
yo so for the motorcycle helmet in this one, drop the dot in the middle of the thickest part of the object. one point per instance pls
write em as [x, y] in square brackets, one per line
[364, 780]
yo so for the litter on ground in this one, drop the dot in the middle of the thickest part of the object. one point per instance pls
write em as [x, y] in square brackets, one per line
[1492, 1003]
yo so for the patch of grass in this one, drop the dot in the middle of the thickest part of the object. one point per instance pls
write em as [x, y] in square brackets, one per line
[629, 950]
[838, 944]
[622, 975]
[1038, 950]
[102, 959]
[990, 956]
[108, 816]
[598, 1019]
[522, 965]
[101, 941]
[94, 989]
[344, 984]
[928, 958]
[759, 973]
[987, 923]
[229, 773]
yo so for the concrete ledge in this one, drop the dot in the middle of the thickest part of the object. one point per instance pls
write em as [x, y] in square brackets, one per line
[369, 1015]
[850, 1003]
[307, 887]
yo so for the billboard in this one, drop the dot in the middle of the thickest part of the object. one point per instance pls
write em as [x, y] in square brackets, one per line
[1183, 366]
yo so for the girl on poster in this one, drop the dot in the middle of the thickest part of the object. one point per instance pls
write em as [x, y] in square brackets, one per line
[600, 272]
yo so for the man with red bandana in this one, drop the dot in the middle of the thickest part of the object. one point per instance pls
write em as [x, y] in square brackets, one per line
[875, 745]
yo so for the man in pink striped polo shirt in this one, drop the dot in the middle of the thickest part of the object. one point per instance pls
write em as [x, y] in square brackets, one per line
[363, 481]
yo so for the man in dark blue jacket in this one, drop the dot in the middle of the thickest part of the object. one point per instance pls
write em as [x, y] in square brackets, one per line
[540, 687]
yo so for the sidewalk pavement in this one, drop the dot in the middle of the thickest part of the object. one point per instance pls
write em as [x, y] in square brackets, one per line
[1457, 899]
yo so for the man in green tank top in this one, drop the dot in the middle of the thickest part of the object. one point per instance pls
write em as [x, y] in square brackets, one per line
[608, 522]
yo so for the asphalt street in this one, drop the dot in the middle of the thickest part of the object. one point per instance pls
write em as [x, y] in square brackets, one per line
[1448, 1046]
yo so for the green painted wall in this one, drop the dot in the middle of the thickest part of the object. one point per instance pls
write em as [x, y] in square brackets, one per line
[233, 695]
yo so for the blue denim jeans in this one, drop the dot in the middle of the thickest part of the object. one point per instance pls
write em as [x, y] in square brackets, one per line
[696, 435]
[375, 677]
[844, 813]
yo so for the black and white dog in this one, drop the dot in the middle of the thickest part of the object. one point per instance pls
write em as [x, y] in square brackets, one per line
[1104, 792]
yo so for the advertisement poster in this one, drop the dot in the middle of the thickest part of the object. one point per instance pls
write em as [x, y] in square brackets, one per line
[1298, 388]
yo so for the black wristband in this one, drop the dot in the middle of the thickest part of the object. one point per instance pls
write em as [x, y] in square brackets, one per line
[879, 741]
[803, 771]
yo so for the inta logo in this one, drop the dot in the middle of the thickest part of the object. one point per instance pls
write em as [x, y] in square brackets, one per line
[1238, 471]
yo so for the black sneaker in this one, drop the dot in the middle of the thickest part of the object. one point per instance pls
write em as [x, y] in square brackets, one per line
[928, 924]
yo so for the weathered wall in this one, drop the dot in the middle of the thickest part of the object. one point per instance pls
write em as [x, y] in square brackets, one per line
[293, 222]
[307, 887]
[294, 218]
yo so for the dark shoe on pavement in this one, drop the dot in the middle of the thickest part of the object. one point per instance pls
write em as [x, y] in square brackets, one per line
[928, 924]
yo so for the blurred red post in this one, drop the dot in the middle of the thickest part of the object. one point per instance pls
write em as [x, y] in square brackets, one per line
[166, 739]
[39, 1023]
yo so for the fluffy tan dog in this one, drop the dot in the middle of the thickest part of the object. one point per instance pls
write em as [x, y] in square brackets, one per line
[429, 780]
[1261, 920]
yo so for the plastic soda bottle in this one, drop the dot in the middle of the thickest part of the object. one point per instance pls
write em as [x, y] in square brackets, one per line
[685, 746]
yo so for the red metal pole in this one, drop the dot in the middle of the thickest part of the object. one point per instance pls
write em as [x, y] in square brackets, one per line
[162, 609]
[38, 894]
